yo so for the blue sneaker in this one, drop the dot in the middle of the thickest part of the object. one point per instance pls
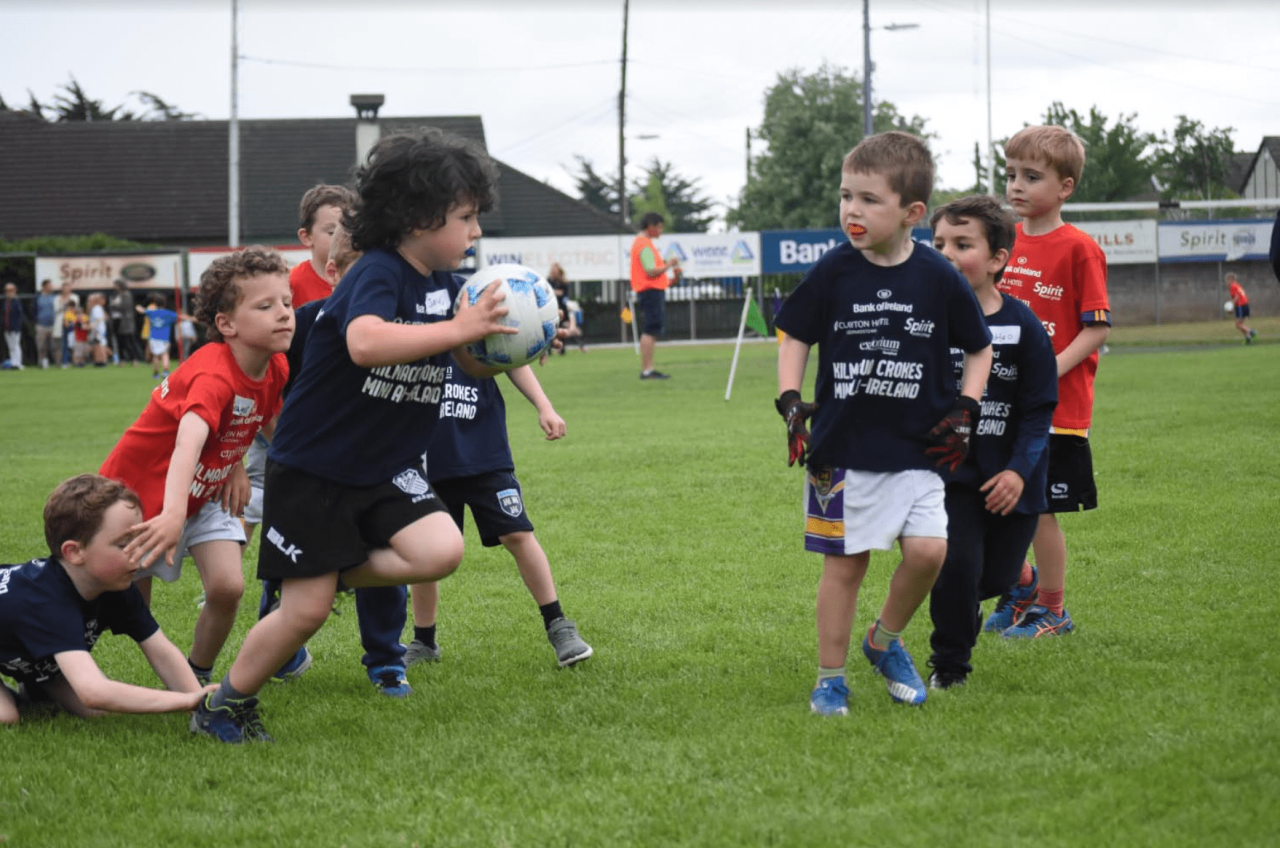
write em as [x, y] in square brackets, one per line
[1012, 604]
[1040, 621]
[898, 670]
[234, 722]
[830, 697]
[391, 681]
[295, 667]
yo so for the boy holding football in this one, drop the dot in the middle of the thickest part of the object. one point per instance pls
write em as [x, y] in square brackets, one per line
[996, 495]
[885, 313]
[1061, 273]
[345, 502]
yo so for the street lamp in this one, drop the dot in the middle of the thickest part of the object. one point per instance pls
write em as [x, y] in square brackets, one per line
[868, 65]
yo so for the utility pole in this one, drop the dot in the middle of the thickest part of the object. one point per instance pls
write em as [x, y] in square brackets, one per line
[233, 143]
[622, 124]
[867, 128]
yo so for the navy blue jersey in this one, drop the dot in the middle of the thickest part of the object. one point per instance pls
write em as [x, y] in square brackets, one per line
[471, 436]
[1017, 406]
[884, 337]
[361, 426]
[42, 614]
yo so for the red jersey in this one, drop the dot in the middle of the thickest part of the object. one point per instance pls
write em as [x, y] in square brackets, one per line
[1062, 276]
[1238, 296]
[307, 285]
[210, 384]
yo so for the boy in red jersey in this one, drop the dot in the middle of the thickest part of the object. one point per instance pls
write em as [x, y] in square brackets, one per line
[183, 454]
[319, 213]
[1240, 302]
[1061, 273]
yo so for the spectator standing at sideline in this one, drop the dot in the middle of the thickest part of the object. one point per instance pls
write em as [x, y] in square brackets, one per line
[65, 309]
[649, 281]
[125, 323]
[46, 325]
[14, 318]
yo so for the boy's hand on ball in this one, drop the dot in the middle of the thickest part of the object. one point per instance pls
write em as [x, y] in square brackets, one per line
[949, 438]
[484, 317]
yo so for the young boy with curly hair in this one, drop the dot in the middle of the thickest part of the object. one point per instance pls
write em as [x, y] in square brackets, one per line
[183, 454]
[345, 501]
[55, 608]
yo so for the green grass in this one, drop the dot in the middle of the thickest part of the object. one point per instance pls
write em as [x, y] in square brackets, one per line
[673, 527]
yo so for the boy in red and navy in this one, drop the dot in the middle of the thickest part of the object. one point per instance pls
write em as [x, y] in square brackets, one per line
[1061, 273]
[994, 498]
[1240, 305]
[183, 454]
[54, 609]
[885, 313]
[344, 491]
[319, 213]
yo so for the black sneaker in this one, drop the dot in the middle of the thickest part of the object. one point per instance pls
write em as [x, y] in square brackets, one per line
[945, 679]
[654, 375]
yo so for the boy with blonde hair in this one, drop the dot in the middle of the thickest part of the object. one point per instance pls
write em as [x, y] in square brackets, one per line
[885, 313]
[319, 214]
[54, 609]
[183, 456]
[1061, 273]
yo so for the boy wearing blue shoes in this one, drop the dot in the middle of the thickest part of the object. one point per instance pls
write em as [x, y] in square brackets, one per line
[885, 313]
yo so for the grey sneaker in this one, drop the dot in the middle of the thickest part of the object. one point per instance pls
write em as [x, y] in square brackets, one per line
[570, 648]
[419, 652]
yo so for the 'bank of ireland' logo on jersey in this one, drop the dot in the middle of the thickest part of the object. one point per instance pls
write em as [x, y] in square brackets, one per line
[884, 294]
[412, 483]
[242, 406]
[436, 303]
[509, 500]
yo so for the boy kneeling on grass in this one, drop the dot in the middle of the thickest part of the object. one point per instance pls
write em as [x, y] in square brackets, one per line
[53, 609]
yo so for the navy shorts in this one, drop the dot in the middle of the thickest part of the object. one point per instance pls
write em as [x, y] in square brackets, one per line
[496, 501]
[1242, 312]
[1070, 487]
[651, 307]
[313, 526]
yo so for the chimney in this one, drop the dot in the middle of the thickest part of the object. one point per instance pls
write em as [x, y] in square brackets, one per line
[367, 130]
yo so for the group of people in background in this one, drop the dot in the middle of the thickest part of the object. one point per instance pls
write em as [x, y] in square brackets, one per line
[106, 328]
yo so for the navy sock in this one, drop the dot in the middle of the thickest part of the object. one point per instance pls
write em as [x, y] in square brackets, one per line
[425, 635]
[550, 613]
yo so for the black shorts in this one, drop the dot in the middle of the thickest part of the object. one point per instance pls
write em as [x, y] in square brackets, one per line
[1242, 312]
[651, 308]
[496, 501]
[1070, 487]
[313, 526]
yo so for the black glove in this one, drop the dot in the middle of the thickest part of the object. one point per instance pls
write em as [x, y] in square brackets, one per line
[795, 412]
[949, 438]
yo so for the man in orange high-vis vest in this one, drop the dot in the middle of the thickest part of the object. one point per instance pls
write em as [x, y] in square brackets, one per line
[649, 281]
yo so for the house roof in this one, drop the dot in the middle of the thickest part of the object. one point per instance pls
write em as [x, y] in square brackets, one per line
[166, 181]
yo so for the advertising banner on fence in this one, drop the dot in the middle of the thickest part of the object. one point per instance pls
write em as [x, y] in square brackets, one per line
[711, 255]
[1214, 241]
[98, 272]
[1124, 242]
[582, 257]
[794, 251]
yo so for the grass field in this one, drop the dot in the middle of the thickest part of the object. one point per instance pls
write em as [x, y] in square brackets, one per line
[673, 527]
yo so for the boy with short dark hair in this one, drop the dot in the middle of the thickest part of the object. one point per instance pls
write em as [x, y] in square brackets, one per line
[996, 495]
[885, 313]
[54, 609]
[345, 500]
[1061, 273]
[183, 454]
[319, 214]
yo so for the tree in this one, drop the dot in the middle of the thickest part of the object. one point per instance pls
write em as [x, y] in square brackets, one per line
[652, 199]
[1195, 162]
[688, 210]
[595, 190]
[73, 104]
[810, 122]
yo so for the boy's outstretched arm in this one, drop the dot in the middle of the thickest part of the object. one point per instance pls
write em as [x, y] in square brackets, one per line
[1090, 338]
[169, 663]
[159, 536]
[99, 694]
[551, 423]
[374, 342]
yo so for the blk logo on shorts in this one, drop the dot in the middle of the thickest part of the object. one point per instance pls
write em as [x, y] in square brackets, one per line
[509, 500]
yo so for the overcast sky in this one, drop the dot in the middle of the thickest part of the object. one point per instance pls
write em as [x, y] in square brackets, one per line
[544, 74]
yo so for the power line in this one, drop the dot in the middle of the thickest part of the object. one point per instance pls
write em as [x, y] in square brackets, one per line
[443, 70]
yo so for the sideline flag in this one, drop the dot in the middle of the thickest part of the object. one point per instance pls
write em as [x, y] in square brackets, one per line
[754, 319]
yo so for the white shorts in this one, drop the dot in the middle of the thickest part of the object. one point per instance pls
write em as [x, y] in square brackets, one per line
[158, 348]
[253, 509]
[850, 512]
[211, 524]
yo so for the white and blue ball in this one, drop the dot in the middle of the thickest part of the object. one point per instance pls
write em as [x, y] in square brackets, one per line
[531, 309]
